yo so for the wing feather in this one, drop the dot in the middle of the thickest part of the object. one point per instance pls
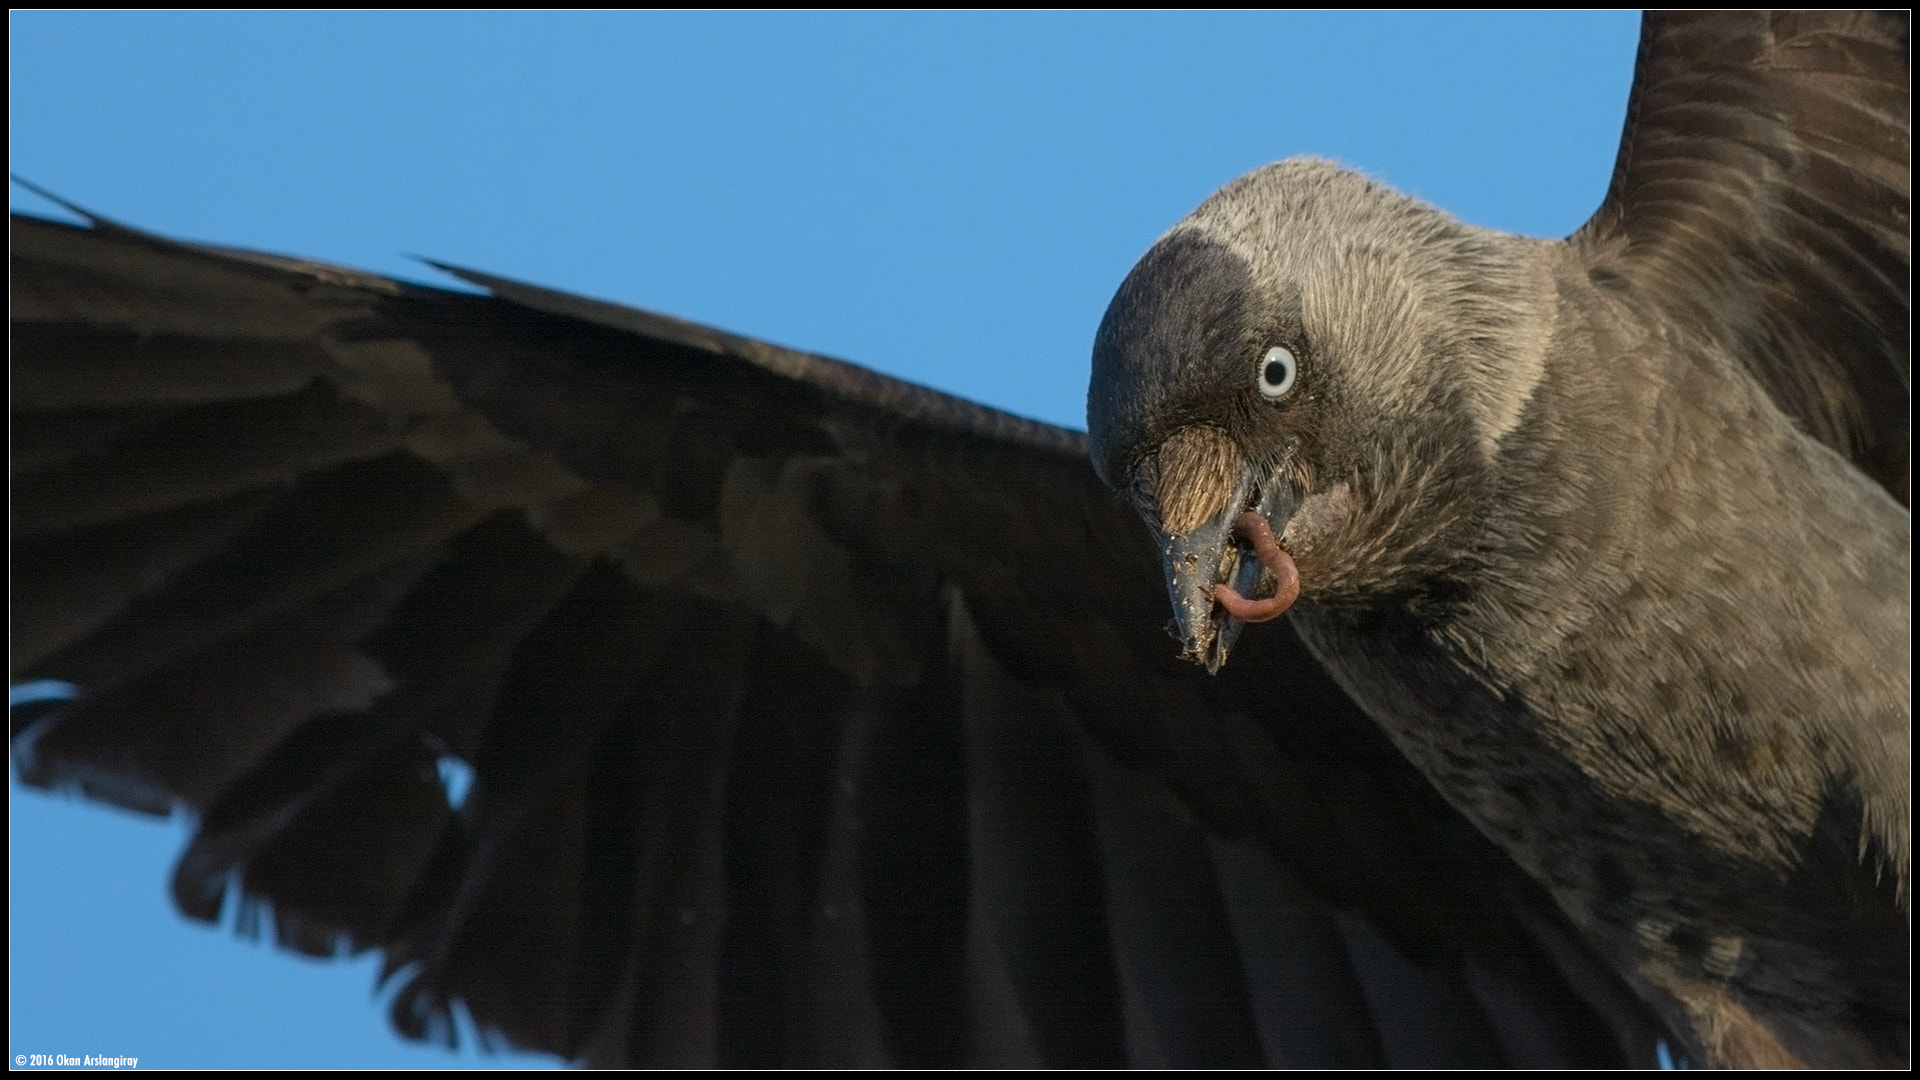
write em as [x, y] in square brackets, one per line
[1761, 201]
[814, 717]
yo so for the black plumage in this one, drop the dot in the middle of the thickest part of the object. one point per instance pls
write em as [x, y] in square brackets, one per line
[788, 745]
[810, 710]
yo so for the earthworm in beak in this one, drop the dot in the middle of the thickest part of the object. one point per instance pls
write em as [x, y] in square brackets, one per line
[1254, 530]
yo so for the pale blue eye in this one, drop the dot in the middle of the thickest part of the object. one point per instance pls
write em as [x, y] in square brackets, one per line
[1277, 370]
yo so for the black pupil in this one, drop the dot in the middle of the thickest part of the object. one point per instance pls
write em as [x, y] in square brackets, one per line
[1276, 372]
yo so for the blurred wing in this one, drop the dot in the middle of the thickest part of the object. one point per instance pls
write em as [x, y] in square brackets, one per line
[814, 717]
[1761, 199]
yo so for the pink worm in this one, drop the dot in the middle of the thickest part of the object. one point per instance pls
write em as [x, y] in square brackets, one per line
[1254, 529]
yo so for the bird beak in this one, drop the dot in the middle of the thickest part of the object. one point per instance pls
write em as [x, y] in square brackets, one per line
[1215, 571]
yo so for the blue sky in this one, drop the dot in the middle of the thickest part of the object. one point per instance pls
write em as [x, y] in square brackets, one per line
[948, 198]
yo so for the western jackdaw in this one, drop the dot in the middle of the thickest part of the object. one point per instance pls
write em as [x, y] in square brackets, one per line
[1606, 533]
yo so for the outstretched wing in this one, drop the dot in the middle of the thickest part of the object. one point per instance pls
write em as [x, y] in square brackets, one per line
[1761, 199]
[815, 717]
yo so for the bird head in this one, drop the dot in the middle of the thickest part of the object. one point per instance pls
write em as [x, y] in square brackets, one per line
[1301, 387]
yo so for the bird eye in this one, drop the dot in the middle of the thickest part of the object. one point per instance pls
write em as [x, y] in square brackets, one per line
[1277, 370]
